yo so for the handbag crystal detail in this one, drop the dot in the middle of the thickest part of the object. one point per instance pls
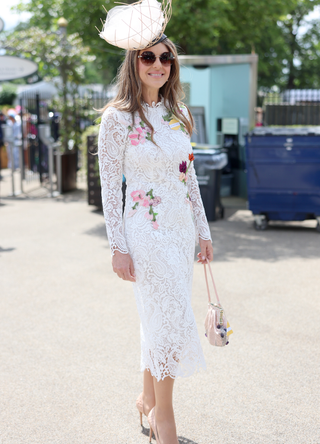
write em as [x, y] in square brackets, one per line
[216, 325]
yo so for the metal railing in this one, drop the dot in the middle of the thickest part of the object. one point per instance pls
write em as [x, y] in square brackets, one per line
[30, 147]
[291, 107]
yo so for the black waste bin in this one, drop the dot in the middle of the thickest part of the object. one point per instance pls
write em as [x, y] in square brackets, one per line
[208, 163]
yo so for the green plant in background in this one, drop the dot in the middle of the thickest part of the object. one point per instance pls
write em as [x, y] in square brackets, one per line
[275, 30]
[57, 54]
[7, 94]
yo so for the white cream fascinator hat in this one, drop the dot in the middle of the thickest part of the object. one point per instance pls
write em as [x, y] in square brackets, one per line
[138, 25]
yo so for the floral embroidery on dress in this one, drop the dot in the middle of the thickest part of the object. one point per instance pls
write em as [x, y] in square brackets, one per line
[183, 168]
[174, 123]
[140, 132]
[140, 197]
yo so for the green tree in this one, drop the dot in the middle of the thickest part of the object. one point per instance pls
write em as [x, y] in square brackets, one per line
[83, 18]
[57, 54]
[308, 67]
[270, 29]
[197, 25]
[302, 57]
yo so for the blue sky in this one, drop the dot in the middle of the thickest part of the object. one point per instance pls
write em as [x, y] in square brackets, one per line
[10, 19]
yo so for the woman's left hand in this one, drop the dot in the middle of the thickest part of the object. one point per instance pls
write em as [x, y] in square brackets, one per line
[206, 251]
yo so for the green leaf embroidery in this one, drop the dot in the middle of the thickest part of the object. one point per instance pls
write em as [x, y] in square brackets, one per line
[167, 117]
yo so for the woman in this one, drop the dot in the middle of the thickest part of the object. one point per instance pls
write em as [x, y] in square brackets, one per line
[145, 135]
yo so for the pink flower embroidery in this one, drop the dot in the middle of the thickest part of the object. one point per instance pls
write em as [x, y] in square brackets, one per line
[182, 177]
[138, 195]
[145, 202]
[140, 133]
[131, 213]
[137, 137]
[148, 216]
[134, 142]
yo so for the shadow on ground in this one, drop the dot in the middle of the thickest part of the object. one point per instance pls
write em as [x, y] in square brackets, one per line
[235, 238]
[181, 439]
[6, 250]
[97, 231]
[77, 195]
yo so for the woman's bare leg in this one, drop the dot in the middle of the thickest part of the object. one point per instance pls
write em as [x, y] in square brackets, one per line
[149, 400]
[166, 425]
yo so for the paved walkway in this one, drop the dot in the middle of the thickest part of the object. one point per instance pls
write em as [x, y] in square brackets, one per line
[69, 333]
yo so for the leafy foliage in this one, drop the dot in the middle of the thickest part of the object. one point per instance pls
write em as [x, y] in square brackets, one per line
[51, 50]
[270, 29]
[301, 61]
[7, 94]
[57, 54]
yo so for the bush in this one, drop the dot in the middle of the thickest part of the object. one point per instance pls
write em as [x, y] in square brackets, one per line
[7, 94]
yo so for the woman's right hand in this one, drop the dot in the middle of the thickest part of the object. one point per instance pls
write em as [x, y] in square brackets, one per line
[123, 265]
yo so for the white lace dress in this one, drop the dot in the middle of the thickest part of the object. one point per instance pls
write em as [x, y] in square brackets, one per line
[163, 216]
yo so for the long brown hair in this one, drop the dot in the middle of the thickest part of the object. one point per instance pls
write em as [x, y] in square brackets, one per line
[129, 96]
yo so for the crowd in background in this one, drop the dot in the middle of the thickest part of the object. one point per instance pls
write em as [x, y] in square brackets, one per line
[11, 119]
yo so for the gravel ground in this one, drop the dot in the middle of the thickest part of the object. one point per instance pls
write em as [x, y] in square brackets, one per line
[69, 329]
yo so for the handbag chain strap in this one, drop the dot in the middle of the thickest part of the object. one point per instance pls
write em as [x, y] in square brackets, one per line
[214, 285]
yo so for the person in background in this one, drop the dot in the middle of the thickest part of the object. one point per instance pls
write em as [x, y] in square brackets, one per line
[16, 128]
[2, 121]
[259, 116]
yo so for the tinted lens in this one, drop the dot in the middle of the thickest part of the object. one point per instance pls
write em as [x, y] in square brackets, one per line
[148, 58]
[166, 58]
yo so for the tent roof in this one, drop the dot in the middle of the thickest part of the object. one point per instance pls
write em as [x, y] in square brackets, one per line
[45, 90]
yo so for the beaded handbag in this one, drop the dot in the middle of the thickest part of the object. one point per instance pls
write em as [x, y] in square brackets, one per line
[216, 325]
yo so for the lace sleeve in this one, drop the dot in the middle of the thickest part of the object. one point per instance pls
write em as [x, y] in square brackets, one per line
[197, 205]
[111, 145]
[195, 196]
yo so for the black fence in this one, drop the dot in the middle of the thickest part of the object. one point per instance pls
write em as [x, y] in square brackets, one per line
[35, 110]
[291, 107]
[35, 156]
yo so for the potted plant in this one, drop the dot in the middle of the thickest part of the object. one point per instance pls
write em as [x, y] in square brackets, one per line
[62, 59]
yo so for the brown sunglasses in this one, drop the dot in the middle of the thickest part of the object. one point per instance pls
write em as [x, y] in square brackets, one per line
[148, 58]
